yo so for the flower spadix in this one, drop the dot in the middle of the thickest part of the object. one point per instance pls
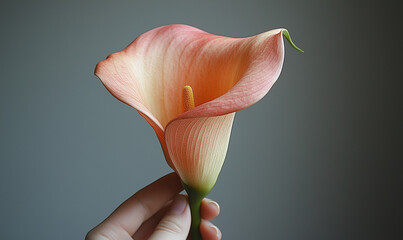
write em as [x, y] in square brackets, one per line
[188, 84]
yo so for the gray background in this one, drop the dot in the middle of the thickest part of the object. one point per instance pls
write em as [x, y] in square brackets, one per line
[317, 158]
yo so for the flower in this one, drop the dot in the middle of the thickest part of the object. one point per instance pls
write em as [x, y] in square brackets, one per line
[226, 75]
[188, 84]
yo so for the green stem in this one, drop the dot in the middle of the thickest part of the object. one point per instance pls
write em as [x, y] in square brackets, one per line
[195, 199]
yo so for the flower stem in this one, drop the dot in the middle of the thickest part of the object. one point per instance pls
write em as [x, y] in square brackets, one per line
[195, 199]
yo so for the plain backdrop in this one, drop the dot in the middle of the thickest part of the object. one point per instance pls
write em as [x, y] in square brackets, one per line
[317, 158]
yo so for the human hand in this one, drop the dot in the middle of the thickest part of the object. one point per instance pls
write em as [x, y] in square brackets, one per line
[156, 212]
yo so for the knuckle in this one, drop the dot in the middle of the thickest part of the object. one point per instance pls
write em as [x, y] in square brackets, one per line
[144, 206]
[170, 226]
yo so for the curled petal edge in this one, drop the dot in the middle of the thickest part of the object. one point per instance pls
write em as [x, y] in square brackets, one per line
[255, 83]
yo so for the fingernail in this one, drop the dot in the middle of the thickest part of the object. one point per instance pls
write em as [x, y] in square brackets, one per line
[216, 231]
[215, 204]
[178, 205]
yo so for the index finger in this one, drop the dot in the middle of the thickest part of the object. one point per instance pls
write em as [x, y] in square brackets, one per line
[145, 203]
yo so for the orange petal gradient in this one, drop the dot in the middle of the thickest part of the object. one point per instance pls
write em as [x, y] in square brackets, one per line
[226, 74]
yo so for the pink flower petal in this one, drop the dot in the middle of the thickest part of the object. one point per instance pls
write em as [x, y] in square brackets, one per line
[226, 74]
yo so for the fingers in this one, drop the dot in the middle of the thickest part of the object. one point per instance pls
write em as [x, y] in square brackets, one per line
[159, 216]
[175, 224]
[209, 231]
[209, 209]
[147, 228]
[144, 204]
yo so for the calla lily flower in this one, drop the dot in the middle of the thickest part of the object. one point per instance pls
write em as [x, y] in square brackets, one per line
[188, 84]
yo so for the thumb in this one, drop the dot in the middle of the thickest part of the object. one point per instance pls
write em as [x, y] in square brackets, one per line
[175, 224]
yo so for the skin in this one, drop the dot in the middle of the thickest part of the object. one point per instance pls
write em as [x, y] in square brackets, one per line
[157, 212]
